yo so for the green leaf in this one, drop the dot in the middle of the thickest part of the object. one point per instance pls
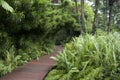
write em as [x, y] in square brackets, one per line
[6, 6]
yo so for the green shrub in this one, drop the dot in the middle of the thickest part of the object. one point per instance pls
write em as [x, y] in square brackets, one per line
[5, 43]
[33, 47]
[89, 58]
[24, 33]
[29, 48]
[9, 62]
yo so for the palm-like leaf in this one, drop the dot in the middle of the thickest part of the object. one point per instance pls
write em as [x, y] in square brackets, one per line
[6, 6]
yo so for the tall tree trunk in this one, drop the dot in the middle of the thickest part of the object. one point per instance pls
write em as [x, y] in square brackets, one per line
[77, 11]
[111, 2]
[110, 15]
[76, 6]
[83, 17]
[95, 16]
[105, 13]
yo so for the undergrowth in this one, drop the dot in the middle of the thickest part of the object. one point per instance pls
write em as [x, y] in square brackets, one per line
[27, 49]
[89, 58]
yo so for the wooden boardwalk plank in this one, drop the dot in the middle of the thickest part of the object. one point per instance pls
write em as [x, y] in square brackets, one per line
[34, 70]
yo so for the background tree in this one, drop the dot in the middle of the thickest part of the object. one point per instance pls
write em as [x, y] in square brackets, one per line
[110, 14]
[95, 16]
[111, 3]
[116, 19]
[77, 10]
[83, 25]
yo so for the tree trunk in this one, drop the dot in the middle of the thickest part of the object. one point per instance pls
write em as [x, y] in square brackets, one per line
[77, 11]
[111, 2]
[105, 12]
[83, 18]
[76, 6]
[95, 17]
[110, 15]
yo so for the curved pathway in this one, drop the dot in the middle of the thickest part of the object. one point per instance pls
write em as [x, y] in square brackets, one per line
[34, 70]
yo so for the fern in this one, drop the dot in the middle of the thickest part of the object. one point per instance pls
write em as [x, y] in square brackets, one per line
[90, 58]
[55, 74]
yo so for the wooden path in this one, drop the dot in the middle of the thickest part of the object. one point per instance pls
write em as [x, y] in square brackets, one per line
[34, 70]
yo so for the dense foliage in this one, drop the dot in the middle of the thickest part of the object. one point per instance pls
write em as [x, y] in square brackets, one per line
[21, 35]
[89, 58]
[31, 28]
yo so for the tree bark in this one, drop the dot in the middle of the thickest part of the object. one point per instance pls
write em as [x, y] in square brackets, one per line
[83, 18]
[105, 12]
[77, 11]
[95, 17]
[110, 15]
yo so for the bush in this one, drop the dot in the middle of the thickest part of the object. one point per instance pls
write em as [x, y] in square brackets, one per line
[29, 48]
[9, 62]
[33, 47]
[89, 58]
